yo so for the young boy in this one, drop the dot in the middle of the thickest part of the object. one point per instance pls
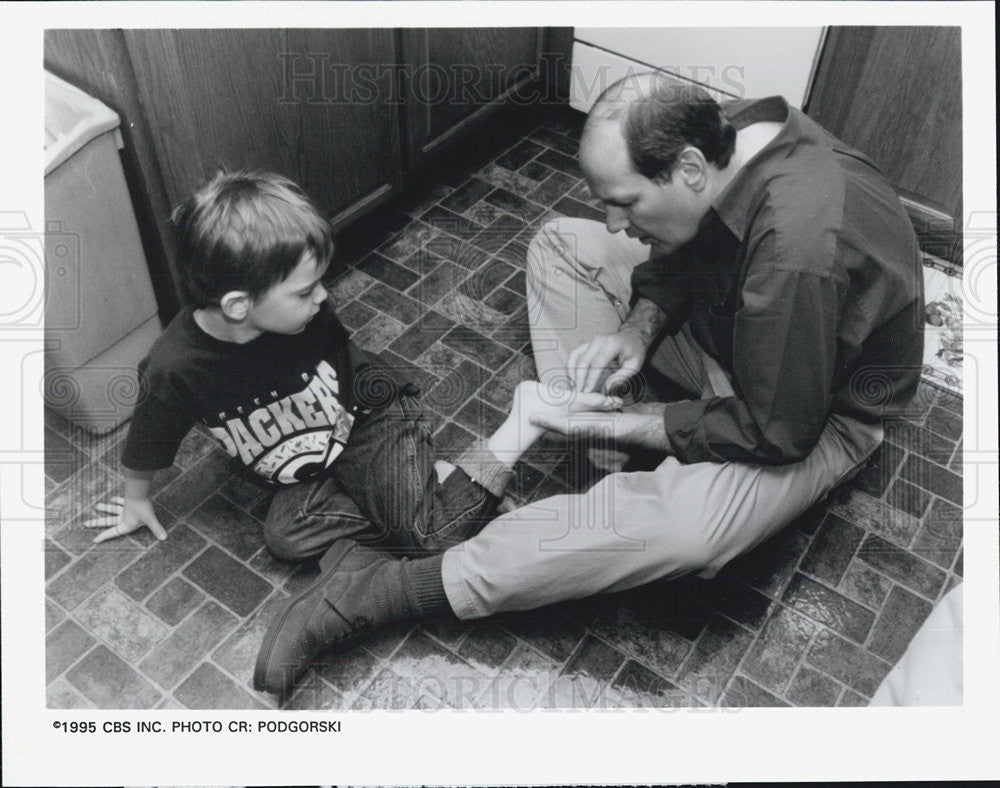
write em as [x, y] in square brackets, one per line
[262, 361]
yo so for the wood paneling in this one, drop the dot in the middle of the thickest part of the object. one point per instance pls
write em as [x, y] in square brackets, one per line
[269, 99]
[453, 75]
[895, 93]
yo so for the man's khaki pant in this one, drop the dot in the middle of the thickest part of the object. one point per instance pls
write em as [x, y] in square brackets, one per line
[631, 528]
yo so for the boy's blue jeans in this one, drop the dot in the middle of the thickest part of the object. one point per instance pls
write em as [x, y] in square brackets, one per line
[382, 491]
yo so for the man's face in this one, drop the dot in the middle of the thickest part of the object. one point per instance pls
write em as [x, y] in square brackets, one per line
[288, 306]
[661, 215]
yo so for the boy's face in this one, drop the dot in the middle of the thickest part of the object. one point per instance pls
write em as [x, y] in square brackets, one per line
[288, 306]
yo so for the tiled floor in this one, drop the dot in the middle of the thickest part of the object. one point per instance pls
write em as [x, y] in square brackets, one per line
[435, 283]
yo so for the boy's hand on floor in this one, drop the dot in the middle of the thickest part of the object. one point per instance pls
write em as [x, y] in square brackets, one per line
[126, 516]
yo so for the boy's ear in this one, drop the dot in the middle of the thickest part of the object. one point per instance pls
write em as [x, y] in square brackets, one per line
[235, 304]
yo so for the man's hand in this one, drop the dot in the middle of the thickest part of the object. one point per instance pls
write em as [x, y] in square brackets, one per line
[620, 354]
[126, 515]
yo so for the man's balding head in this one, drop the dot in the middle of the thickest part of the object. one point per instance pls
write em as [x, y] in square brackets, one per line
[658, 118]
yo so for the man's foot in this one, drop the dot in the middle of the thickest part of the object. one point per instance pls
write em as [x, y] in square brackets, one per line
[336, 610]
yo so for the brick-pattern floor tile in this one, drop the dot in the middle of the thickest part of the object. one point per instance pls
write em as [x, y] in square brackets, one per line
[875, 516]
[933, 477]
[421, 335]
[387, 690]
[811, 688]
[64, 646]
[596, 659]
[773, 657]
[120, 621]
[487, 647]
[908, 498]
[467, 195]
[734, 600]
[159, 562]
[567, 206]
[53, 616]
[55, 559]
[901, 566]
[863, 584]
[479, 417]
[944, 422]
[653, 646]
[847, 662]
[220, 576]
[209, 688]
[109, 683]
[852, 698]
[244, 492]
[349, 286]
[554, 638]
[455, 388]
[89, 572]
[476, 346]
[237, 653]
[515, 204]
[519, 154]
[560, 161]
[940, 537]
[828, 607]
[378, 333]
[535, 170]
[348, 672]
[899, 621]
[62, 459]
[354, 315]
[832, 549]
[506, 179]
[436, 283]
[876, 474]
[228, 526]
[770, 566]
[638, 687]
[715, 657]
[175, 600]
[189, 489]
[743, 694]
[60, 694]
[919, 440]
[312, 693]
[438, 671]
[385, 299]
[552, 189]
[522, 683]
[385, 270]
[172, 659]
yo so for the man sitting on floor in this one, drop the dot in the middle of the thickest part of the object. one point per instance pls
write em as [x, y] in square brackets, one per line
[766, 268]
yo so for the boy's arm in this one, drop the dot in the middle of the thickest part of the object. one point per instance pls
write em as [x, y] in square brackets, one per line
[130, 513]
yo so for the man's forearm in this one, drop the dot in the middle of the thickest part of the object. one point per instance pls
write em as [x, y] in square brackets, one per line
[645, 320]
[642, 429]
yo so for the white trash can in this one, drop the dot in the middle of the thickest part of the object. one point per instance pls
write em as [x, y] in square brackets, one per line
[100, 311]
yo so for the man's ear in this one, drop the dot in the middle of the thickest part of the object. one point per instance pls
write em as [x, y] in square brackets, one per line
[235, 304]
[692, 168]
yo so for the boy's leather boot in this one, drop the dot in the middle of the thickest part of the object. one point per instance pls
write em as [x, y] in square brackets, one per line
[358, 590]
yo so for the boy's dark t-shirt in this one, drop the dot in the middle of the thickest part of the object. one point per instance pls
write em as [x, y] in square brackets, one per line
[282, 405]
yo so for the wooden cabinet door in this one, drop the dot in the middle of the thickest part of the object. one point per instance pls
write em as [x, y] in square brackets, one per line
[452, 77]
[269, 99]
[895, 93]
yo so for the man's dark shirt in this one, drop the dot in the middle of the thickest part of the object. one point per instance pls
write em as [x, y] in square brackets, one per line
[805, 284]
